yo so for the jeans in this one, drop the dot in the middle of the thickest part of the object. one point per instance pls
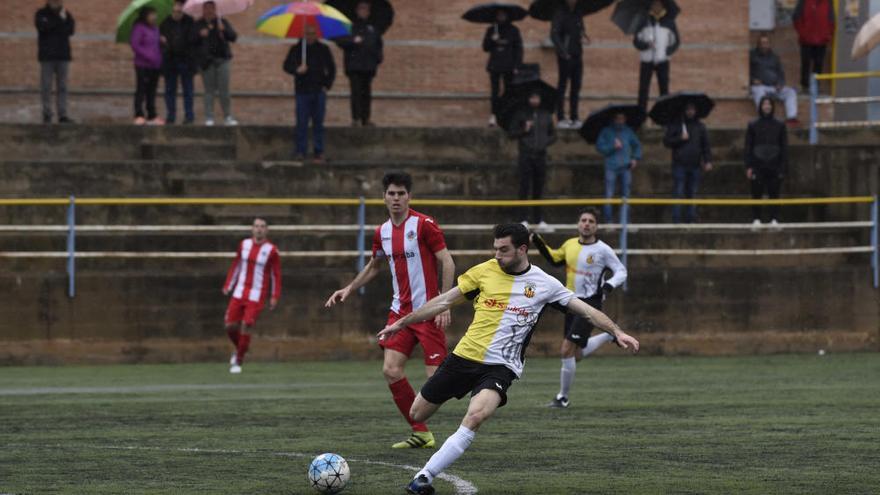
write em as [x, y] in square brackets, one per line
[145, 92]
[216, 80]
[532, 175]
[57, 70]
[646, 70]
[173, 72]
[495, 79]
[812, 59]
[612, 178]
[787, 94]
[570, 71]
[765, 181]
[687, 180]
[361, 95]
[310, 106]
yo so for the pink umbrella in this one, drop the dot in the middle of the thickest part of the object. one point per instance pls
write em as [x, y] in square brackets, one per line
[224, 7]
[868, 38]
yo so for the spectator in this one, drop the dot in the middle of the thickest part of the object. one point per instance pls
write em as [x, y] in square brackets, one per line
[691, 156]
[622, 151]
[766, 157]
[212, 38]
[505, 47]
[657, 39]
[363, 55]
[814, 22]
[768, 79]
[533, 127]
[147, 62]
[567, 33]
[178, 62]
[55, 26]
[312, 79]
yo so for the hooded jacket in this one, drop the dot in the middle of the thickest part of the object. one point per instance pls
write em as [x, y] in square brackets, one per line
[663, 33]
[766, 67]
[566, 32]
[814, 21]
[365, 56]
[53, 35]
[618, 159]
[690, 153]
[540, 136]
[766, 148]
[321, 67]
[506, 54]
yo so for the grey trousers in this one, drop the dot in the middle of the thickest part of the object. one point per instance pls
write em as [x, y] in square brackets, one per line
[57, 70]
[216, 81]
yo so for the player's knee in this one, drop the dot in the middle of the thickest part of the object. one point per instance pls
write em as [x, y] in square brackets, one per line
[392, 372]
[475, 417]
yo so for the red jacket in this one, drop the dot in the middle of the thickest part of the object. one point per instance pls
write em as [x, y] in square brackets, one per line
[814, 21]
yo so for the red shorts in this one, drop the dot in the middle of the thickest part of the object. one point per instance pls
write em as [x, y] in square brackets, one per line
[240, 310]
[432, 338]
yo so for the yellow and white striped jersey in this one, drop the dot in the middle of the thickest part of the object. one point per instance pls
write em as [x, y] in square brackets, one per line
[584, 265]
[506, 309]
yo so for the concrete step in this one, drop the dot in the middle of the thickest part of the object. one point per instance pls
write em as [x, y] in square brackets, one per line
[184, 151]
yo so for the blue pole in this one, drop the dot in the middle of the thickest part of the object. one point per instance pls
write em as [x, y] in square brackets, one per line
[875, 255]
[814, 112]
[71, 248]
[624, 230]
[362, 237]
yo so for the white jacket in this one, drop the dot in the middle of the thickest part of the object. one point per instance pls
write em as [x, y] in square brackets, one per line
[664, 36]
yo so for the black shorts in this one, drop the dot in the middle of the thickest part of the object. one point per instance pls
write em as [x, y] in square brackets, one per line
[457, 376]
[578, 329]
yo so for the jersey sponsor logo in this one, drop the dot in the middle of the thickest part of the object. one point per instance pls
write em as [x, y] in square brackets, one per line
[411, 235]
[518, 311]
[434, 356]
[494, 304]
[404, 255]
[529, 290]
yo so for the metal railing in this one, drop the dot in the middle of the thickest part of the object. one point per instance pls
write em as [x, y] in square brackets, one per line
[816, 100]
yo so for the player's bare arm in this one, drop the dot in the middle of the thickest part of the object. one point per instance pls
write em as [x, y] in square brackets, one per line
[447, 280]
[432, 308]
[604, 323]
[363, 278]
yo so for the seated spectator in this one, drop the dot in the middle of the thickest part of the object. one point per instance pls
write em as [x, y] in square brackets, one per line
[768, 79]
[147, 62]
[177, 61]
[533, 127]
[691, 156]
[622, 151]
[363, 55]
[505, 47]
[766, 157]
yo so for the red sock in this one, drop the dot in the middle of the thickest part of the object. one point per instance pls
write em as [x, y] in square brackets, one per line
[244, 342]
[233, 334]
[404, 396]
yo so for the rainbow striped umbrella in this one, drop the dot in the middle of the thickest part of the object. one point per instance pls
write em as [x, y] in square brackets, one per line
[289, 21]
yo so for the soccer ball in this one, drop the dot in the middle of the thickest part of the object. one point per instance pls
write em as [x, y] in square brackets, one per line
[328, 473]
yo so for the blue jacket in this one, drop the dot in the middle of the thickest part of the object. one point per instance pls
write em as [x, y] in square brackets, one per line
[618, 159]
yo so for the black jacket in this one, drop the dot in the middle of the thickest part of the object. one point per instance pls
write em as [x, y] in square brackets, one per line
[365, 56]
[765, 67]
[214, 47]
[539, 137]
[566, 32]
[53, 35]
[766, 148]
[319, 60]
[506, 54]
[179, 40]
[693, 152]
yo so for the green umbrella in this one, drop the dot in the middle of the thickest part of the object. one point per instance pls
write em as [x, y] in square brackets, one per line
[130, 14]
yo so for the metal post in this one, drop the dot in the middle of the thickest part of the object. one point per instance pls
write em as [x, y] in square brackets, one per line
[362, 237]
[875, 255]
[624, 230]
[71, 248]
[814, 112]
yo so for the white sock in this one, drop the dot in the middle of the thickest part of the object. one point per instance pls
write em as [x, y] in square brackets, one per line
[566, 376]
[596, 342]
[452, 449]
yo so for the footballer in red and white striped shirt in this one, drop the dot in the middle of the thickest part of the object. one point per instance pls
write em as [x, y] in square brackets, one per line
[413, 247]
[254, 277]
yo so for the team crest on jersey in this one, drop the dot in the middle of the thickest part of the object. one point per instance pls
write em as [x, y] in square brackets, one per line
[529, 290]
[590, 259]
[411, 235]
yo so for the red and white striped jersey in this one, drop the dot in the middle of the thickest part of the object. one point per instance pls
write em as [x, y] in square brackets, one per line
[410, 249]
[256, 266]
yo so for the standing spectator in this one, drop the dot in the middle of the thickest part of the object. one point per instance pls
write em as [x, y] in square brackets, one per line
[312, 79]
[363, 55]
[55, 26]
[657, 39]
[147, 63]
[814, 22]
[622, 151]
[768, 79]
[691, 156]
[504, 44]
[212, 38]
[567, 33]
[178, 62]
[533, 127]
[766, 157]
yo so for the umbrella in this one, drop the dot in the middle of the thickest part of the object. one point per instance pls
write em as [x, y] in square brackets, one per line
[224, 7]
[130, 14]
[601, 118]
[867, 39]
[516, 99]
[487, 13]
[670, 108]
[290, 21]
[630, 14]
[544, 10]
[381, 11]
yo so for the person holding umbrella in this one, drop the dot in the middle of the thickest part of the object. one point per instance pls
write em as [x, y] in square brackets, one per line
[212, 36]
[618, 143]
[656, 39]
[567, 34]
[689, 141]
[363, 55]
[533, 128]
[504, 45]
[147, 61]
[176, 33]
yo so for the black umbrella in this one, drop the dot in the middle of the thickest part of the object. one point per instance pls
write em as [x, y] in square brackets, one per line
[630, 14]
[602, 118]
[544, 10]
[487, 13]
[381, 11]
[516, 99]
[670, 108]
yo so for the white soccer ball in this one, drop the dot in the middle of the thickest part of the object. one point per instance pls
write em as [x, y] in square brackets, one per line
[328, 473]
